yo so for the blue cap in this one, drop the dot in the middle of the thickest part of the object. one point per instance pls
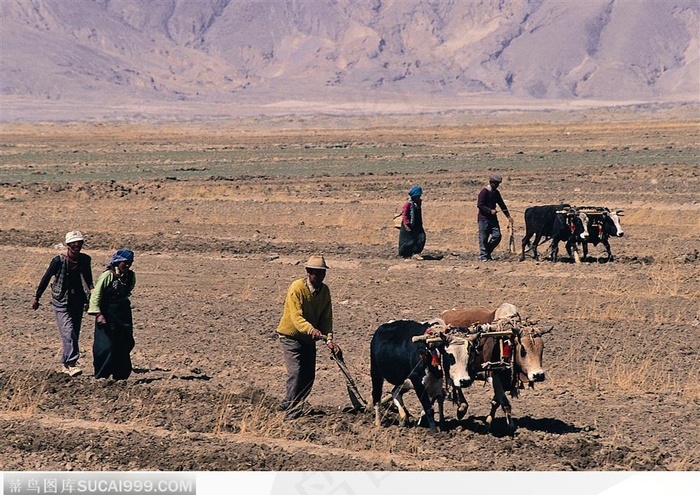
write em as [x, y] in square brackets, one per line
[415, 191]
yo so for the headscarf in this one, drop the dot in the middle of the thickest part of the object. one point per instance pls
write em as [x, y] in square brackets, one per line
[122, 254]
[415, 192]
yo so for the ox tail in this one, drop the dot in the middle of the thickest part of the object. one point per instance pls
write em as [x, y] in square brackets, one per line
[377, 381]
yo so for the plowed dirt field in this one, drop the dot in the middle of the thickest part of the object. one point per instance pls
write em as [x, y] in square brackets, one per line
[222, 217]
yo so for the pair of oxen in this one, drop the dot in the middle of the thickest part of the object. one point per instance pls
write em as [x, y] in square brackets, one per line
[448, 354]
[572, 225]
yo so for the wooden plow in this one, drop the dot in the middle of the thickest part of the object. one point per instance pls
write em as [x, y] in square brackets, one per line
[358, 402]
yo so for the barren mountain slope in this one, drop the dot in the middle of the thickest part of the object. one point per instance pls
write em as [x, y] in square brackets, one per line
[220, 56]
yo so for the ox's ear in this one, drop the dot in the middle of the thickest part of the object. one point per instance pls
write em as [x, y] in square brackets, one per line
[619, 212]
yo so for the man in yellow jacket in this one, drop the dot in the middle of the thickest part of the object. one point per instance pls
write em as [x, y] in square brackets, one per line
[307, 318]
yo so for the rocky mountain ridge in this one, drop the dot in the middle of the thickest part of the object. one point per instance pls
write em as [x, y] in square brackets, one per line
[109, 58]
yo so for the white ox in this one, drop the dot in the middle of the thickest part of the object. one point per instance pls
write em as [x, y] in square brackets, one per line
[522, 348]
[602, 224]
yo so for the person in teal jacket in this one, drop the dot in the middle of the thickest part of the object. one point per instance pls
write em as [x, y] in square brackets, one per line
[114, 327]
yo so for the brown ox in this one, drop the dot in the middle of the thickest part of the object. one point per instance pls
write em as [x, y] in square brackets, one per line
[466, 317]
[509, 360]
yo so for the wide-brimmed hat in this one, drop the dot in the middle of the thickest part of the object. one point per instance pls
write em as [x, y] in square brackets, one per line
[317, 262]
[74, 236]
[495, 178]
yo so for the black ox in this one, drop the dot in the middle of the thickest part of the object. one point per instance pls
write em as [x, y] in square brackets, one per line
[558, 222]
[395, 356]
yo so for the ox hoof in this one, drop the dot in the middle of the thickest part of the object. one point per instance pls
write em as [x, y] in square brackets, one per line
[489, 419]
[462, 411]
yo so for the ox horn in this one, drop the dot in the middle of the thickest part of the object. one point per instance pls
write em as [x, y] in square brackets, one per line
[619, 212]
[546, 330]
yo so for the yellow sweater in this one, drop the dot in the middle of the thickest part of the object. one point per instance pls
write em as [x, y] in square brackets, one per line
[304, 311]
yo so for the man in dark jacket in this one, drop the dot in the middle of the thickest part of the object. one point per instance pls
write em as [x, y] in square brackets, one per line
[489, 229]
[70, 292]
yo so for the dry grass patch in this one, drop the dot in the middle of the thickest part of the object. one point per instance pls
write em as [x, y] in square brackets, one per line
[22, 393]
[631, 368]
